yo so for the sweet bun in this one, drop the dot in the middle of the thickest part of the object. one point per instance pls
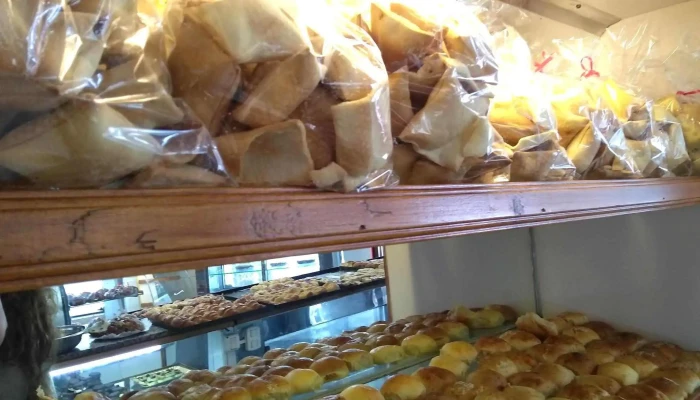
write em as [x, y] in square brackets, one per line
[419, 344]
[455, 330]
[485, 318]
[274, 353]
[321, 346]
[237, 370]
[671, 389]
[327, 353]
[387, 354]
[360, 336]
[464, 391]
[600, 356]
[378, 328]
[224, 369]
[394, 328]
[556, 373]
[622, 373]
[451, 364]
[354, 345]
[439, 335]
[628, 341]
[300, 362]
[687, 379]
[522, 393]
[233, 393]
[271, 387]
[435, 379]
[262, 363]
[638, 363]
[641, 392]
[522, 360]
[499, 363]
[690, 363]
[201, 392]
[298, 346]
[579, 363]
[460, 314]
[577, 391]
[221, 382]
[284, 358]
[533, 381]
[606, 383]
[582, 334]
[281, 370]
[179, 386]
[460, 350]
[336, 341]
[561, 323]
[403, 387]
[536, 325]
[669, 350]
[603, 329]
[150, 394]
[490, 396]
[242, 380]
[330, 368]
[508, 312]
[491, 345]
[204, 376]
[605, 346]
[654, 356]
[486, 378]
[546, 352]
[520, 340]
[574, 318]
[257, 371]
[414, 318]
[310, 352]
[567, 342]
[382, 340]
[304, 380]
[357, 360]
[361, 392]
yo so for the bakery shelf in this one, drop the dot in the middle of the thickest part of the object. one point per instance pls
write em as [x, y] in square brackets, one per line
[90, 349]
[68, 236]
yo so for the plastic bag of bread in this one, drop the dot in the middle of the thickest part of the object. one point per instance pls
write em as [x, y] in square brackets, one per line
[681, 114]
[296, 94]
[540, 157]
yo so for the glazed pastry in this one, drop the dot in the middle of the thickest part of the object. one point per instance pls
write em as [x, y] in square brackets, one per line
[418, 344]
[537, 325]
[330, 368]
[451, 364]
[462, 351]
[435, 379]
[520, 340]
[403, 387]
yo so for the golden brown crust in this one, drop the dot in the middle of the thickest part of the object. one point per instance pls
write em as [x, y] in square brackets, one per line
[546, 352]
[520, 340]
[641, 392]
[435, 379]
[643, 366]
[622, 373]
[439, 335]
[451, 364]
[455, 330]
[536, 325]
[560, 322]
[628, 341]
[567, 342]
[179, 386]
[522, 393]
[500, 363]
[687, 379]
[582, 392]
[281, 370]
[533, 381]
[387, 354]
[671, 389]
[508, 312]
[606, 383]
[233, 393]
[419, 344]
[403, 387]
[488, 379]
[274, 353]
[669, 350]
[382, 340]
[356, 359]
[522, 360]
[361, 392]
[330, 368]
[582, 334]
[204, 376]
[556, 373]
[304, 380]
[460, 350]
[579, 363]
[490, 345]
[574, 318]
[603, 329]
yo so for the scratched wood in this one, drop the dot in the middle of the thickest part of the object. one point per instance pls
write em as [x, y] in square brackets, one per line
[67, 236]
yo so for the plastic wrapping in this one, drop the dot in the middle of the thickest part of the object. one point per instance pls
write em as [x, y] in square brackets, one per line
[296, 94]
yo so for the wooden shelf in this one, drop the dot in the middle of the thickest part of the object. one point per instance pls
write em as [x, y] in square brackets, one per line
[57, 237]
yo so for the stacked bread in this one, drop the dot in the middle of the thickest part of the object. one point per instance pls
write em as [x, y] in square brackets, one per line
[198, 310]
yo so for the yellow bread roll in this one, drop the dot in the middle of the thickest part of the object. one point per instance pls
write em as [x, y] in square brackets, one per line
[462, 351]
[622, 373]
[451, 364]
[419, 344]
[387, 354]
[403, 387]
[304, 380]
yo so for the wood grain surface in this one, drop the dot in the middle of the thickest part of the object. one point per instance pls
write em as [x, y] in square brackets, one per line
[67, 236]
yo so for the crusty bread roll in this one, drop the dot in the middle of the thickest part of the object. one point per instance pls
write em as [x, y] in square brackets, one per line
[354, 345]
[394, 328]
[628, 341]
[356, 359]
[270, 387]
[403, 387]
[460, 350]
[304, 380]
[605, 346]
[221, 382]
[336, 341]
[536, 325]
[522, 393]
[310, 352]
[579, 363]
[361, 392]
[499, 363]
[491, 345]
[522, 360]
[298, 346]
[242, 380]
[299, 362]
[463, 390]
[547, 352]
[574, 318]
[641, 392]
[387, 354]
[249, 360]
[520, 340]
[486, 378]
[486, 318]
[377, 328]
[280, 370]
[233, 393]
[179, 386]
[603, 329]
[331, 368]
[556, 373]
[687, 379]
[451, 364]
[273, 353]
[439, 335]
[204, 376]
[622, 373]
[560, 322]
[435, 379]
[566, 342]
[382, 340]
[576, 391]
[201, 392]
[671, 389]
[258, 370]
[606, 383]
[418, 344]
[533, 380]
[455, 330]
[669, 350]
[582, 334]
[508, 312]
[640, 364]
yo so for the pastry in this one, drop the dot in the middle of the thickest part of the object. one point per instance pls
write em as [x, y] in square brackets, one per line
[533, 381]
[574, 318]
[576, 391]
[179, 386]
[330, 368]
[298, 346]
[622, 373]
[556, 373]
[583, 149]
[459, 350]
[201, 392]
[547, 352]
[500, 363]
[508, 312]
[522, 360]
[299, 362]
[357, 360]
[249, 360]
[582, 334]
[671, 389]
[273, 354]
[561, 323]
[387, 354]
[486, 378]
[455, 330]
[451, 364]
[304, 380]
[641, 365]
[361, 392]
[687, 379]
[641, 392]
[520, 340]
[204, 376]
[419, 344]
[270, 387]
[536, 325]
[403, 387]
[671, 351]
[522, 393]
[603, 329]
[281, 370]
[605, 346]
[382, 340]
[579, 363]
[606, 383]
[435, 379]
[566, 342]
[354, 345]
[233, 393]
[628, 341]
[490, 345]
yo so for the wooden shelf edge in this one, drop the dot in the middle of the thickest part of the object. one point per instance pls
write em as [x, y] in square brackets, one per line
[50, 238]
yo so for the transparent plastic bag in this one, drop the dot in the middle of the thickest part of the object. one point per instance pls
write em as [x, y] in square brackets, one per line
[296, 94]
[540, 157]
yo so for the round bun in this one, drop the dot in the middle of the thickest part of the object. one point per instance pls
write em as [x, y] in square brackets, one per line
[237, 370]
[638, 363]
[382, 340]
[360, 336]
[336, 341]
[201, 392]
[654, 356]
[233, 393]
[546, 352]
[669, 350]
[270, 387]
[455, 330]
[249, 360]
[387, 354]
[536, 325]
[485, 318]
[464, 391]
[605, 346]
[378, 328]
[354, 345]
[203, 376]
[394, 328]
[274, 353]
[623, 374]
[221, 382]
[419, 344]
[435, 379]
[641, 392]
[522, 393]
[327, 353]
[304, 380]
[281, 370]
[179, 386]
[310, 352]
[577, 362]
[298, 346]
[262, 363]
[577, 391]
[520, 340]
[242, 380]
[451, 364]
[567, 342]
[439, 335]
[460, 350]
[671, 389]
[560, 322]
[582, 334]
[522, 360]
[627, 341]
[284, 359]
[487, 379]
[600, 356]
[508, 312]
[357, 360]
[687, 379]
[533, 381]
[257, 371]
[331, 368]
[556, 373]
[403, 387]
[574, 318]
[223, 370]
[606, 383]
[490, 345]
[603, 329]
[300, 362]
[151, 394]
[361, 392]
[499, 363]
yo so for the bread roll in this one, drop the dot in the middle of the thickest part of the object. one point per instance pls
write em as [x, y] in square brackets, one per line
[459, 350]
[298, 346]
[455, 330]
[600, 356]
[556, 373]
[394, 328]
[419, 344]
[605, 346]
[281, 370]
[671, 389]
[533, 381]
[331, 368]
[265, 362]
[622, 373]
[179, 386]
[387, 354]
[233, 393]
[687, 379]
[522, 393]
[547, 352]
[582, 334]
[522, 360]
[377, 328]
[654, 356]
[336, 341]
[576, 391]
[360, 336]
[284, 358]
[435, 379]
[361, 392]
[439, 335]
[403, 387]
[257, 371]
[561, 323]
[536, 325]
[669, 350]
[460, 314]
[486, 318]
[242, 380]
[451, 364]
[300, 362]
[204, 376]
[486, 378]
[629, 341]
[382, 340]
[508, 312]
[491, 345]
[149, 394]
[464, 390]
[499, 363]
[641, 392]
[579, 363]
[249, 360]
[271, 387]
[310, 352]
[606, 383]
[201, 392]
[356, 359]
[574, 318]
[304, 380]
[520, 340]
[221, 382]
[643, 366]
[603, 329]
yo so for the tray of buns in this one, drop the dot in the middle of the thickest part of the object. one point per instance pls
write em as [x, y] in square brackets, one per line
[377, 263]
[287, 290]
